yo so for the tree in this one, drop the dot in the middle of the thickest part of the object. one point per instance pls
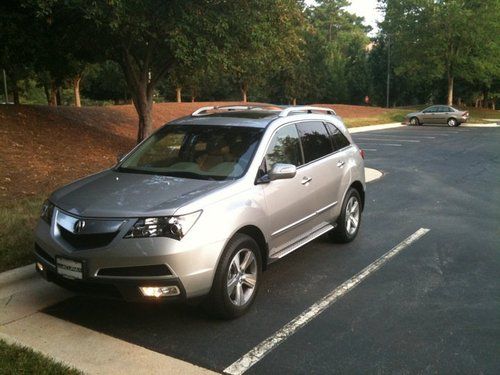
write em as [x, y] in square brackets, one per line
[447, 39]
[105, 81]
[265, 36]
[18, 47]
[341, 39]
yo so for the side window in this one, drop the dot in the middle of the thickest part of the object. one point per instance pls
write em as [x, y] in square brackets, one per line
[284, 148]
[430, 110]
[315, 140]
[338, 139]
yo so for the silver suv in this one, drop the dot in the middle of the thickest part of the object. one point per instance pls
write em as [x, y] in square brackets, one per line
[202, 206]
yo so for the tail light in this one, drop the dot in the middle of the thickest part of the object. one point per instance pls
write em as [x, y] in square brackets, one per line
[466, 114]
[362, 153]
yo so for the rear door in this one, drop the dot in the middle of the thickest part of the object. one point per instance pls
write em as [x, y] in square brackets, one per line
[323, 166]
[444, 114]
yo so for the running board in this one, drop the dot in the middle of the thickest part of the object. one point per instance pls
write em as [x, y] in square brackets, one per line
[315, 233]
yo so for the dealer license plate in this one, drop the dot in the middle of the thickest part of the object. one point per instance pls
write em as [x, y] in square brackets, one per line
[71, 269]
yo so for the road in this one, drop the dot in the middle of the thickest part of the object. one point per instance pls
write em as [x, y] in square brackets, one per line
[434, 307]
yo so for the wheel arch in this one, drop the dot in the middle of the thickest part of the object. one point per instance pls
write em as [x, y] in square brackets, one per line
[254, 232]
[361, 191]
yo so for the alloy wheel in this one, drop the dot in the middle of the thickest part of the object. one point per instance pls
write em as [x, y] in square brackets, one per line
[352, 215]
[242, 277]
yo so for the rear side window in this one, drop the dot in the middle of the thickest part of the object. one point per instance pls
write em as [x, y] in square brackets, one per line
[339, 140]
[284, 148]
[315, 140]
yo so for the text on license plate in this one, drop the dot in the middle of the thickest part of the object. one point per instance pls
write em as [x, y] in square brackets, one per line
[69, 268]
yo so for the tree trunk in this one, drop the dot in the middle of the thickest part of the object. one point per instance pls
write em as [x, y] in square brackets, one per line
[178, 94]
[15, 93]
[450, 89]
[58, 95]
[244, 92]
[294, 101]
[143, 102]
[47, 93]
[53, 94]
[76, 90]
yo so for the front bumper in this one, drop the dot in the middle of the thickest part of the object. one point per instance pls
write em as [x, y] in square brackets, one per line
[191, 263]
[113, 288]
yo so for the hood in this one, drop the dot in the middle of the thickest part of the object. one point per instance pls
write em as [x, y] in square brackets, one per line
[115, 194]
[413, 114]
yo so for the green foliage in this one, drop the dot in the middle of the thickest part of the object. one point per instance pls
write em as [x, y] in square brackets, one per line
[105, 81]
[435, 42]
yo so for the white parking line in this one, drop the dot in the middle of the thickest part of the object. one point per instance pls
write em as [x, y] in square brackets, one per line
[391, 140]
[370, 149]
[261, 350]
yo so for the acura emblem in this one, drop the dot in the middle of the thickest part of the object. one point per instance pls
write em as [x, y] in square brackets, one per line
[79, 225]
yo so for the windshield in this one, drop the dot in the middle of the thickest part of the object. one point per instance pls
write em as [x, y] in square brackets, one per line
[195, 151]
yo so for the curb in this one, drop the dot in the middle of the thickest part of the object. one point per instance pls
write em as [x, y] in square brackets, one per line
[360, 129]
[17, 274]
[490, 125]
[372, 174]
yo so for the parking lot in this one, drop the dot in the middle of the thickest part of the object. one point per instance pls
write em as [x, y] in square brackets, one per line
[432, 307]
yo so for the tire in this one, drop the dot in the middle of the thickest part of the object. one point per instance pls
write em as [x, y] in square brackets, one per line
[414, 121]
[229, 304]
[452, 122]
[344, 232]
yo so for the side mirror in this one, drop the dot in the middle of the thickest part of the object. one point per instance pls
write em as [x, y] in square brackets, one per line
[282, 172]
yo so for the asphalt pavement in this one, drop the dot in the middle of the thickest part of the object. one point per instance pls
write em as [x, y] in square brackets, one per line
[433, 307]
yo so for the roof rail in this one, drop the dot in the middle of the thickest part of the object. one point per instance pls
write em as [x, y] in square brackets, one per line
[286, 112]
[203, 110]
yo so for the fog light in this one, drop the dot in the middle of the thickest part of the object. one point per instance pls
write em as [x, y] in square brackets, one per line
[39, 266]
[159, 291]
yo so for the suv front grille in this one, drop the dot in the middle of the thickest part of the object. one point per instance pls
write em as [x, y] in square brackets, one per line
[86, 241]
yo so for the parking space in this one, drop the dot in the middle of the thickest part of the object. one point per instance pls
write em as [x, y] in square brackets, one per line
[432, 308]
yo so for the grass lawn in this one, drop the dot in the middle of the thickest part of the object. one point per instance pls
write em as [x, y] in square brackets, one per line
[15, 359]
[390, 116]
[17, 221]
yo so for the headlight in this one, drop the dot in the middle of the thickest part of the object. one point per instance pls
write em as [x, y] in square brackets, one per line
[47, 212]
[169, 226]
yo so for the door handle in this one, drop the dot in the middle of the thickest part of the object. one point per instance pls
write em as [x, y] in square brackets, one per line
[340, 164]
[306, 180]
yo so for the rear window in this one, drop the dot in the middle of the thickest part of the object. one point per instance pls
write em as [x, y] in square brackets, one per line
[339, 140]
[315, 140]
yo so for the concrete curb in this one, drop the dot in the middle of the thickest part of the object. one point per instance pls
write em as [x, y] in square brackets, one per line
[372, 174]
[480, 125]
[17, 274]
[368, 128]
[89, 351]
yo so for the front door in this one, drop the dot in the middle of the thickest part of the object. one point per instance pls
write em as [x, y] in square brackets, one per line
[289, 202]
[429, 115]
